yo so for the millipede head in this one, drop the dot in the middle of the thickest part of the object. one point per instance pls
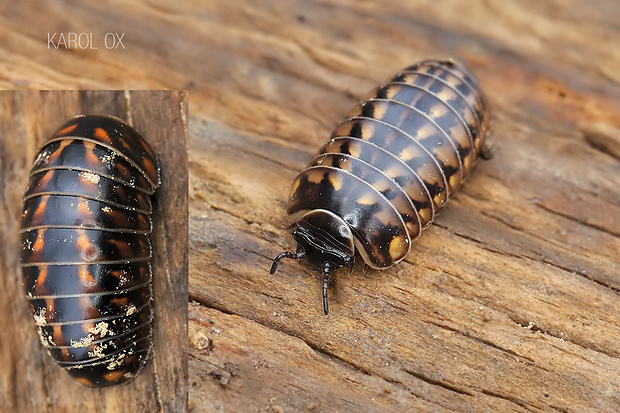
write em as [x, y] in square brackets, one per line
[326, 241]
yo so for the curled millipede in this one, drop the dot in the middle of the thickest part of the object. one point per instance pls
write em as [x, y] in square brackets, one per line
[86, 249]
[389, 168]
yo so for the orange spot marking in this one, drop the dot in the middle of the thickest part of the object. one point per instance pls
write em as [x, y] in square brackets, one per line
[143, 222]
[44, 181]
[439, 200]
[355, 149]
[38, 244]
[102, 135]
[367, 199]
[119, 219]
[425, 215]
[120, 302]
[150, 170]
[144, 270]
[84, 209]
[50, 306]
[116, 274]
[454, 182]
[398, 247]
[123, 249]
[368, 130]
[123, 171]
[91, 158]
[57, 336]
[41, 278]
[337, 181]
[407, 154]
[294, 187]
[66, 130]
[113, 376]
[85, 248]
[125, 144]
[146, 148]
[466, 165]
[38, 214]
[88, 310]
[86, 277]
[54, 155]
[425, 131]
[84, 381]
[446, 94]
[380, 109]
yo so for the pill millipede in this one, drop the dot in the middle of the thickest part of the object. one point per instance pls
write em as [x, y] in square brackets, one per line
[86, 248]
[389, 169]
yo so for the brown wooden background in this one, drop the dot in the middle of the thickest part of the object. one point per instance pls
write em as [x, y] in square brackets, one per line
[509, 302]
[30, 381]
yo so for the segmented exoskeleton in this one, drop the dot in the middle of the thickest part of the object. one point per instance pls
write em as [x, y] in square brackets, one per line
[389, 168]
[86, 249]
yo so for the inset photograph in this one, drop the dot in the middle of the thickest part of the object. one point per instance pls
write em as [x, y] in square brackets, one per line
[94, 250]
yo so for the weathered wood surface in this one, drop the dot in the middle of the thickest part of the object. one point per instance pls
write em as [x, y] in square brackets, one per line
[30, 381]
[509, 302]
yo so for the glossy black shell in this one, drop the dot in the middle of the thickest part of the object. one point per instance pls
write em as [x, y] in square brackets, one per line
[86, 249]
[390, 167]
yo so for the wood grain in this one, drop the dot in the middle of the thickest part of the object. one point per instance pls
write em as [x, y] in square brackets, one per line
[508, 302]
[30, 381]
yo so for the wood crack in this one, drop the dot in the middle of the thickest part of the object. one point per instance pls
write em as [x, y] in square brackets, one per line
[439, 383]
[534, 328]
[273, 159]
[612, 288]
[603, 139]
[509, 399]
[481, 340]
[577, 220]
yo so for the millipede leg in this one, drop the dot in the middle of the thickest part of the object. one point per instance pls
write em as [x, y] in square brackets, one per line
[326, 277]
[286, 254]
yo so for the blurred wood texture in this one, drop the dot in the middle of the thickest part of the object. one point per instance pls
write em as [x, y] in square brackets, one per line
[509, 302]
[30, 381]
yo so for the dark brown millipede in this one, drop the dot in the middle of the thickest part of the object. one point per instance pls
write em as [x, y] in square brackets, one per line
[85, 248]
[389, 168]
